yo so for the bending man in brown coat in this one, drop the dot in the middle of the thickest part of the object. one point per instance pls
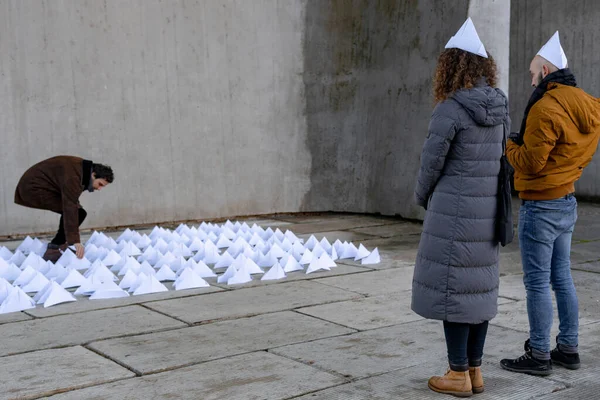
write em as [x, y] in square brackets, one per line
[55, 185]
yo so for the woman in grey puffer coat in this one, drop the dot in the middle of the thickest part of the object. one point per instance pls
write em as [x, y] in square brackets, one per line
[456, 274]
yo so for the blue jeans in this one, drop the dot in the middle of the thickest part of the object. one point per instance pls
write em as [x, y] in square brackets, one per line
[545, 231]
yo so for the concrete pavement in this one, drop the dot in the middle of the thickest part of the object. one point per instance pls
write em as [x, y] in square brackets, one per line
[344, 334]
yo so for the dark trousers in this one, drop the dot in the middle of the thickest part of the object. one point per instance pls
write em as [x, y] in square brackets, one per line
[60, 237]
[465, 344]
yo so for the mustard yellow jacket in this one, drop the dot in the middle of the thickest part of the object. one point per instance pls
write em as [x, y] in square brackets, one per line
[561, 136]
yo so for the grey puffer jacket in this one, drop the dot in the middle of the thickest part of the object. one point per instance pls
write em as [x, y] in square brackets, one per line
[456, 274]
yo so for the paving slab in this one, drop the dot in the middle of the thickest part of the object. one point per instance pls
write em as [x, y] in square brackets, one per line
[251, 301]
[344, 236]
[337, 224]
[83, 303]
[13, 317]
[374, 283]
[69, 330]
[46, 372]
[588, 391]
[386, 231]
[514, 316]
[585, 252]
[367, 313]
[512, 287]
[246, 377]
[372, 352]
[411, 383]
[157, 352]
[341, 269]
[588, 267]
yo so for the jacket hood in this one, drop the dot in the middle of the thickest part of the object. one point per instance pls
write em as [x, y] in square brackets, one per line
[582, 108]
[486, 105]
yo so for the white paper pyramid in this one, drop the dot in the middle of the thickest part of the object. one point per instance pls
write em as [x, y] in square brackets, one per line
[9, 271]
[326, 261]
[42, 293]
[38, 247]
[17, 258]
[225, 260]
[101, 272]
[223, 242]
[140, 279]
[25, 276]
[5, 289]
[361, 253]
[276, 272]
[307, 257]
[252, 267]
[150, 285]
[25, 245]
[34, 261]
[211, 254]
[467, 39]
[130, 264]
[128, 279]
[165, 273]
[78, 263]
[108, 290]
[228, 274]
[36, 283]
[553, 52]
[189, 280]
[317, 264]
[372, 258]
[125, 236]
[5, 253]
[196, 245]
[292, 265]
[203, 270]
[56, 271]
[266, 260]
[17, 300]
[256, 239]
[277, 251]
[111, 258]
[147, 269]
[318, 250]
[240, 277]
[56, 294]
[333, 253]
[349, 251]
[143, 242]
[90, 286]
[73, 279]
[131, 250]
[311, 242]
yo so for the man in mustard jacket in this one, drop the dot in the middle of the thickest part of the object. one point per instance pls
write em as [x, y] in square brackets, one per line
[558, 137]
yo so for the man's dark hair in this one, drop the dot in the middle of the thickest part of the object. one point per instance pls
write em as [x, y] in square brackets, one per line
[103, 172]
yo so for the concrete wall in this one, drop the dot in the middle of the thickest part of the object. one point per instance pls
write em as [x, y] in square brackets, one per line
[533, 22]
[221, 108]
[368, 74]
[198, 105]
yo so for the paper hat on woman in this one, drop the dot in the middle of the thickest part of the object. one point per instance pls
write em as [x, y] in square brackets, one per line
[467, 39]
[553, 52]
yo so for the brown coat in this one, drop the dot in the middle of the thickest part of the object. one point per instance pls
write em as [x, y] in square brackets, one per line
[55, 184]
[561, 136]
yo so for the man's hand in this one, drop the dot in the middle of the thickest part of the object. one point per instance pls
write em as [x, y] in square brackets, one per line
[516, 137]
[79, 250]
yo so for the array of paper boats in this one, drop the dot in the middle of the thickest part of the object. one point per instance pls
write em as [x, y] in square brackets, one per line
[136, 264]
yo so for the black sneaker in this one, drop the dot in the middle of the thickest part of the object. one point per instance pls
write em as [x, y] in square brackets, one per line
[527, 364]
[569, 361]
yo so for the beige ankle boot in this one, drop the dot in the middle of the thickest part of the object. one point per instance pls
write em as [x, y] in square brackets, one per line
[476, 379]
[454, 383]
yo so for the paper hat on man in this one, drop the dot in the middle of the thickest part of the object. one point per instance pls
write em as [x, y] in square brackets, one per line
[553, 52]
[467, 39]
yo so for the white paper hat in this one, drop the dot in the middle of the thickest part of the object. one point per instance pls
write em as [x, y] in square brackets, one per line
[553, 52]
[467, 39]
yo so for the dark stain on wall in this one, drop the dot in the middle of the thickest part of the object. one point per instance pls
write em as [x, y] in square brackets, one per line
[367, 73]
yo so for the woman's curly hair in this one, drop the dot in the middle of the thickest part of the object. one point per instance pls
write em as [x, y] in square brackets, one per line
[458, 69]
